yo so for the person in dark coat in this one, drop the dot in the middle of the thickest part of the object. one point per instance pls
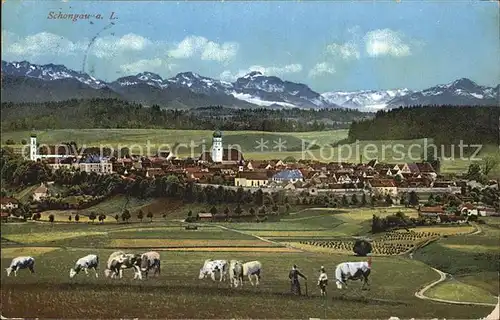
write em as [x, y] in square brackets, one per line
[294, 280]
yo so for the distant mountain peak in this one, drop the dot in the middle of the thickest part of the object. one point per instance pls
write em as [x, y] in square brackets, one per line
[253, 74]
[464, 83]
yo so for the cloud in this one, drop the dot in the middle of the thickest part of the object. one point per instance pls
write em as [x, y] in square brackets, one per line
[321, 68]
[151, 65]
[385, 42]
[268, 71]
[110, 46]
[346, 51]
[193, 46]
[38, 44]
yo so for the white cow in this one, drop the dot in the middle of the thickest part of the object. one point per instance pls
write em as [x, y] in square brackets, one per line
[211, 267]
[90, 261]
[21, 263]
[235, 273]
[119, 260]
[150, 261]
[353, 271]
[249, 269]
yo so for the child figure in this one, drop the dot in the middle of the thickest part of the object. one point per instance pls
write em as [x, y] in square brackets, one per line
[323, 281]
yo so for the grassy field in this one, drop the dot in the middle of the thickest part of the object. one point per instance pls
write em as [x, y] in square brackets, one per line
[458, 291]
[307, 145]
[177, 291]
[180, 294]
[472, 259]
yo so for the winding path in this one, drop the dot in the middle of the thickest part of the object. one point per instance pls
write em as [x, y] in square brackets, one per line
[442, 277]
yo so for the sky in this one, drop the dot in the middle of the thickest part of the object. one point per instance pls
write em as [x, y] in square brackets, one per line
[328, 45]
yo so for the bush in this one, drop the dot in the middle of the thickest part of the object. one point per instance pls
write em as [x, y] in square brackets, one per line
[362, 247]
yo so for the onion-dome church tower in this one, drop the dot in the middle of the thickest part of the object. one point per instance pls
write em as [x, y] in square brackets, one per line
[217, 150]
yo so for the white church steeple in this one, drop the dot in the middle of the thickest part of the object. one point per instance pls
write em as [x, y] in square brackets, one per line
[217, 146]
[33, 147]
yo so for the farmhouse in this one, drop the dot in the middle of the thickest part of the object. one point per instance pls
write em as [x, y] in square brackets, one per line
[251, 179]
[8, 203]
[204, 216]
[431, 211]
[40, 192]
[384, 187]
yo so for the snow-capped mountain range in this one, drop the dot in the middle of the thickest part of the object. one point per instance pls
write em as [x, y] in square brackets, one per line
[369, 100]
[189, 89]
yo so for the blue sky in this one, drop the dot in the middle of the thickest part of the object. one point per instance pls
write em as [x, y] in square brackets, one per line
[328, 45]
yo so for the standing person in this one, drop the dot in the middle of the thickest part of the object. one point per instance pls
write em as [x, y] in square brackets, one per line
[294, 280]
[322, 281]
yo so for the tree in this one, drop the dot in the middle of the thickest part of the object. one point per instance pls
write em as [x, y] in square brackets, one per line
[362, 248]
[140, 215]
[92, 216]
[77, 217]
[102, 217]
[238, 210]
[69, 218]
[489, 163]
[275, 208]
[150, 216]
[51, 218]
[213, 211]
[413, 198]
[363, 200]
[117, 217]
[126, 215]
[344, 201]
[388, 200]
[474, 172]
[354, 199]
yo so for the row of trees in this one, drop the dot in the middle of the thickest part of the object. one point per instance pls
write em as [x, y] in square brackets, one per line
[115, 113]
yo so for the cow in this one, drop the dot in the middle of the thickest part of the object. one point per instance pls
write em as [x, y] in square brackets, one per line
[150, 260]
[119, 260]
[211, 267]
[235, 273]
[90, 261]
[249, 269]
[21, 263]
[353, 271]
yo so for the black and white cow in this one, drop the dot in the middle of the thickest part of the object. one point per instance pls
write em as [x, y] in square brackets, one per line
[21, 263]
[90, 261]
[210, 267]
[150, 261]
[119, 260]
[353, 271]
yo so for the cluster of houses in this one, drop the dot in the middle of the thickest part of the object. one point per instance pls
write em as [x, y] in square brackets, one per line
[228, 167]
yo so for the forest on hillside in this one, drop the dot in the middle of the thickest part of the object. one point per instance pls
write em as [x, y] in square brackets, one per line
[115, 113]
[445, 124]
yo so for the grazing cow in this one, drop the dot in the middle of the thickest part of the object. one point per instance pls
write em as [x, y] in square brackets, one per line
[90, 261]
[353, 271]
[235, 273]
[249, 269]
[119, 260]
[211, 267]
[21, 263]
[149, 261]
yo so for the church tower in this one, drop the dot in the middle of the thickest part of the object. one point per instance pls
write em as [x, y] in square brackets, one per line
[33, 151]
[217, 146]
